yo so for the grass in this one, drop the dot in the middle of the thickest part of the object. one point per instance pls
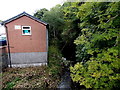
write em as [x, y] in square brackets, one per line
[29, 77]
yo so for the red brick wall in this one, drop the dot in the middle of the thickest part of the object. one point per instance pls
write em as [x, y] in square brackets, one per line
[31, 43]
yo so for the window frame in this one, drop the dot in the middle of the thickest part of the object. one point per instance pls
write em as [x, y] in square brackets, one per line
[26, 29]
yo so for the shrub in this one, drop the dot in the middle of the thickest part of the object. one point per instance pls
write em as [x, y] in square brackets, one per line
[99, 42]
[55, 60]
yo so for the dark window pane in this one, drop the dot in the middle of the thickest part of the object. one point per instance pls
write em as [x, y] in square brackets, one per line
[26, 27]
[23, 31]
[29, 31]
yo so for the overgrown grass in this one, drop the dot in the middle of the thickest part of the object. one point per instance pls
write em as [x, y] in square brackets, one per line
[30, 77]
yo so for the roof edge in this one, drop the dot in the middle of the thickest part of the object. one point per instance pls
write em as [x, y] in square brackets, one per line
[23, 14]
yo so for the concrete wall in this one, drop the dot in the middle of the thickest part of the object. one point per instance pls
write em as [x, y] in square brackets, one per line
[19, 59]
[3, 57]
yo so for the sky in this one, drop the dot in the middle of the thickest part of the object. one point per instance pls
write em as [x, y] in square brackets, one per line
[10, 8]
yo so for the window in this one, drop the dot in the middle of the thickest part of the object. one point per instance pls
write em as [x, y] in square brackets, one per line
[26, 30]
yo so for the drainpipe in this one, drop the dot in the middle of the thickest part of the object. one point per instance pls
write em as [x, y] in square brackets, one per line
[8, 47]
[47, 27]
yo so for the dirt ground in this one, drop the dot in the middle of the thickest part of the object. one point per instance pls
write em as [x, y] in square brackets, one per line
[30, 77]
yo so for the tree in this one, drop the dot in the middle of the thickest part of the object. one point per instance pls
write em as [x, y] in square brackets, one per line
[70, 30]
[56, 22]
[40, 13]
[99, 23]
[63, 27]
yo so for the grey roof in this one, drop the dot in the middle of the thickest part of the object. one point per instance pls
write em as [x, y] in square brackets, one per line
[23, 14]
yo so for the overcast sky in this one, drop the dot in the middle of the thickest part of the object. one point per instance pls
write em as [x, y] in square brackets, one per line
[10, 8]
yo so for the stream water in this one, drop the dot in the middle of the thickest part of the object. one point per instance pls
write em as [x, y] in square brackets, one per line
[65, 81]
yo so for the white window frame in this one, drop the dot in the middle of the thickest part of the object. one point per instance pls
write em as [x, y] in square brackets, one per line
[26, 29]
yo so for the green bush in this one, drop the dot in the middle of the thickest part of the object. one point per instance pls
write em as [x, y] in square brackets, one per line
[97, 46]
[55, 60]
[100, 72]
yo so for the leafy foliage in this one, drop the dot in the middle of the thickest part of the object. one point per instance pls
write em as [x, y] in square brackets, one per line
[40, 13]
[55, 19]
[70, 30]
[94, 28]
[97, 45]
[55, 61]
[63, 27]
